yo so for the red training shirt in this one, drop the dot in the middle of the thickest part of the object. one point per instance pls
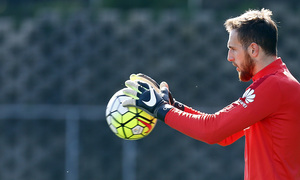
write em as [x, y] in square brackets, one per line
[268, 114]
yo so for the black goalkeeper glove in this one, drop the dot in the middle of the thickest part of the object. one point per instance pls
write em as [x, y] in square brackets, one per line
[145, 78]
[163, 89]
[143, 96]
[166, 93]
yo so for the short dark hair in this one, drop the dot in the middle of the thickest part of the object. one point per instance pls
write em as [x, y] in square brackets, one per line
[255, 26]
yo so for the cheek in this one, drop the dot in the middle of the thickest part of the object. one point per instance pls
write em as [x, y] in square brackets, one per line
[240, 58]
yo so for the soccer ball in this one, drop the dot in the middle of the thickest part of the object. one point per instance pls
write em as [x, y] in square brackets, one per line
[128, 123]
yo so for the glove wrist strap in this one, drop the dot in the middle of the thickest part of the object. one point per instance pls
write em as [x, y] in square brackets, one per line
[162, 111]
[179, 105]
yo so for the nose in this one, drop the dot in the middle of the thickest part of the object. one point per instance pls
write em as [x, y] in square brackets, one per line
[230, 58]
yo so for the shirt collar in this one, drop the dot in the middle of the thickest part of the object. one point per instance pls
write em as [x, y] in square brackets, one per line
[270, 69]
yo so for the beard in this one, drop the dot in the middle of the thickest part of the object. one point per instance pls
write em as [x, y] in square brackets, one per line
[246, 72]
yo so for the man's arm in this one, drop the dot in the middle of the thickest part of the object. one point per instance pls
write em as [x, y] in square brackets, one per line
[231, 139]
[214, 128]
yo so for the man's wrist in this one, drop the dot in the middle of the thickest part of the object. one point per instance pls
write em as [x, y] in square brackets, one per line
[162, 111]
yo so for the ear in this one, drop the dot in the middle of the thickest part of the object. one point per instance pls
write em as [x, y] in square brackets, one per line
[253, 50]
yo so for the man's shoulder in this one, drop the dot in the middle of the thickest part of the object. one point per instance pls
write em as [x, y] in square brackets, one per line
[270, 78]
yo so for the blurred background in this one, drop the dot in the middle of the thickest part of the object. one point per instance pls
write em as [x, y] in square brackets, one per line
[62, 60]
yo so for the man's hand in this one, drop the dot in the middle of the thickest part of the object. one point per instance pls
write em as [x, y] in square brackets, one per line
[163, 88]
[145, 78]
[144, 96]
[166, 94]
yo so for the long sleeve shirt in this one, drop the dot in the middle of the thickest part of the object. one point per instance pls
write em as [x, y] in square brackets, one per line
[267, 114]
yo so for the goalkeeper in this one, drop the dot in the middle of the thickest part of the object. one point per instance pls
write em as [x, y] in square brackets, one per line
[267, 114]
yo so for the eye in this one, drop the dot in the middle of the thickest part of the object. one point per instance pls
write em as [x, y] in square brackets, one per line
[230, 48]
